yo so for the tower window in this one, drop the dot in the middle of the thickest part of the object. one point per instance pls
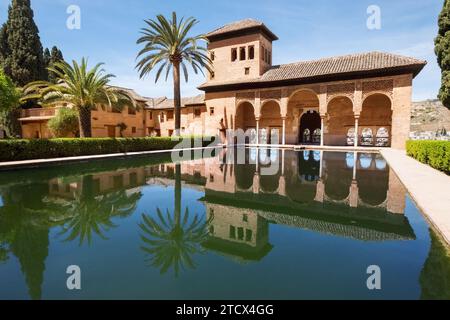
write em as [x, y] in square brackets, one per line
[211, 111]
[270, 57]
[213, 55]
[251, 52]
[247, 71]
[233, 54]
[263, 53]
[212, 74]
[242, 53]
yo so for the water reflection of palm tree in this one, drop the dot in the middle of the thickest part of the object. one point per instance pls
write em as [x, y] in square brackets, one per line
[24, 230]
[171, 242]
[91, 214]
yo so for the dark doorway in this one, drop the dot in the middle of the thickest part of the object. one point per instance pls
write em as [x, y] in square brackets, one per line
[310, 125]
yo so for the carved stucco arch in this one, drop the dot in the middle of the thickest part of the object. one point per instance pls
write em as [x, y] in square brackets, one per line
[263, 104]
[383, 93]
[341, 90]
[295, 91]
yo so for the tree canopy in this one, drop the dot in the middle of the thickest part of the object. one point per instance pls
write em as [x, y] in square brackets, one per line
[442, 50]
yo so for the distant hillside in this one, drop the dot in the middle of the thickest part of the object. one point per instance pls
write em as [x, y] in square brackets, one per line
[429, 115]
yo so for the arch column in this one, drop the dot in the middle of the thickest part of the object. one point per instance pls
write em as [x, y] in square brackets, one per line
[322, 128]
[356, 131]
[283, 140]
[354, 194]
[257, 130]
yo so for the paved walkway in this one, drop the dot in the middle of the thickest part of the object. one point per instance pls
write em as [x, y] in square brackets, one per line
[429, 188]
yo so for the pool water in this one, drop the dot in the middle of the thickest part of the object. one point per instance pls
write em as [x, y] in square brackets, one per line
[279, 225]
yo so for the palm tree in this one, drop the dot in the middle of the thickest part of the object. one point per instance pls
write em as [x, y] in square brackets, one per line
[171, 240]
[81, 88]
[168, 46]
[92, 214]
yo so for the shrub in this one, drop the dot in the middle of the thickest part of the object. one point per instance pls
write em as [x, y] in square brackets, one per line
[434, 153]
[65, 123]
[9, 106]
[15, 150]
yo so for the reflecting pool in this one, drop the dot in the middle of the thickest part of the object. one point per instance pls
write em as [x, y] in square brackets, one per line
[206, 228]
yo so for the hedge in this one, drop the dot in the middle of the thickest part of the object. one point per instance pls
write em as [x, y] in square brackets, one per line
[434, 153]
[15, 150]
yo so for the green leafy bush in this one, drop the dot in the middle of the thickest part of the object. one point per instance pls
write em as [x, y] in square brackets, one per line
[15, 150]
[434, 153]
[9, 106]
[65, 123]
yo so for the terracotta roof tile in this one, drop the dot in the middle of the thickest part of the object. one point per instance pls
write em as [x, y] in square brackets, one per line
[241, 25]
[362, 62]
[235, 26]
[164, 103]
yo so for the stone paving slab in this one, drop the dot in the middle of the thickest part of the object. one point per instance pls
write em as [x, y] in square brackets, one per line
[429, 188]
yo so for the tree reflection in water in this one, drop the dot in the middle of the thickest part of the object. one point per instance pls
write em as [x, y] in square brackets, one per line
[171, 240]
[90, 214]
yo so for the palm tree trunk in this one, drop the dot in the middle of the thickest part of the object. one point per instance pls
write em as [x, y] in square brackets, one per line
[177, 96]
[177, 194]
[85, 122]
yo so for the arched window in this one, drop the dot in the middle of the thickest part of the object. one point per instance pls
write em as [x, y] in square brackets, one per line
[251, 52]
[316, 136]
[365, 160]
[273, 155]
[380, 163]
[382, 139]
[306, 155]
[351, 137]
[367, 137]
[263, 157]
[307, 136]
[251, 133]
[350, 160]
[263, 136]
[316, 156]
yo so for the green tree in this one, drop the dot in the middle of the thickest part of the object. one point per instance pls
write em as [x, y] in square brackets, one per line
[167, 45]
[172, 240]
[442, 50]
[47, 59]
[91, 213]
[55, 57]
[82, 88]
[22, 50]
[9, 106]
[65, 123]
[4, 50]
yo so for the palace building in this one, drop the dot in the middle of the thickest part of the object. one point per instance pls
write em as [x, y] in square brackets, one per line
[354, 100]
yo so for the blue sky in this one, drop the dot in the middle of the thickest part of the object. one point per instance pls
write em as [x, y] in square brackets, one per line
[307, 30]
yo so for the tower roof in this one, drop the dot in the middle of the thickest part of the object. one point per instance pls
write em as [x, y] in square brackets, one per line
[241, 27]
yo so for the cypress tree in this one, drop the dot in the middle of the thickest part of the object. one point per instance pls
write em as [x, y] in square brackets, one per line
[442, 50]
[55, 56]
[4, 50]
[24, 62]
[47, 60]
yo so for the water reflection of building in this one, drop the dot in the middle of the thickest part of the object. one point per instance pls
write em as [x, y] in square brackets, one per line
[345, 194]
[241, 234]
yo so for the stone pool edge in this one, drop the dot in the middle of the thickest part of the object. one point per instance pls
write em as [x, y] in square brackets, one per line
[35, 163]
[428, 188]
